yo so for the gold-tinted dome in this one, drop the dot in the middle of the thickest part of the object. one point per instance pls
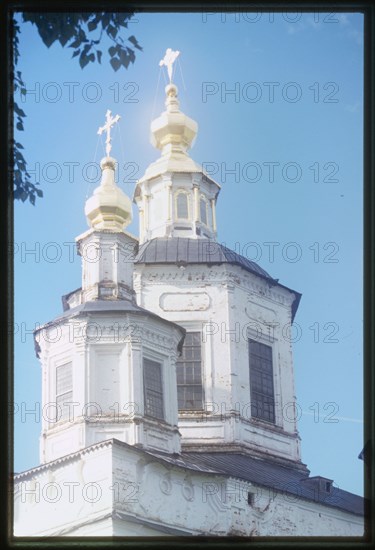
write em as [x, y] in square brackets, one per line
[173, 129]
[108, 207]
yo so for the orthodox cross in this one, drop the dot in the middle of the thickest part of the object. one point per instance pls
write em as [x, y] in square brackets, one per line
[168, 60]
[110, 121]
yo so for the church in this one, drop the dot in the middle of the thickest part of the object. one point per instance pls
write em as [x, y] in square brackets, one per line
[167, 386]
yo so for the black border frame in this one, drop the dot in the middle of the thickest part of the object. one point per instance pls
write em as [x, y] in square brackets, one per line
[6, 236]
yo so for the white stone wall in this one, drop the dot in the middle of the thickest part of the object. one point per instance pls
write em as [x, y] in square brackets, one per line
[229, 305]
[106, 352]
[107, 264]
[156, 201]
[65, 496]
[117, 490]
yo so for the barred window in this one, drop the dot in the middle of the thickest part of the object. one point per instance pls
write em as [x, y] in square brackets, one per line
[182, 206]
[261, 381]
[64, 391]
[153, 389]
[189, 374]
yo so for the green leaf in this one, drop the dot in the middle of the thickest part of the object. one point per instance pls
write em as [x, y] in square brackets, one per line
[131, 54]
[64, 39]
[105, 20]
[124, 58]
[99, 56]
[77, 52]
[75, 44]
[19, 126]
[19, 111]
[116, 63]
[17, 194]
[47, 35]
[122, 18]
[112, 31]
[92, 25]
[134, 41]
[112, 51]
[82, 35]
[83, 60]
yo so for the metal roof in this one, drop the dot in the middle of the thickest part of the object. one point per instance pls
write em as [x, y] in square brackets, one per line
[290, 481]
[180, 250]
[174, 459]
[109, 306]
[272, 475]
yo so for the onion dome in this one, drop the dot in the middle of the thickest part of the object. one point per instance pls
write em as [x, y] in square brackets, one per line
[108, 207]
[173, 131]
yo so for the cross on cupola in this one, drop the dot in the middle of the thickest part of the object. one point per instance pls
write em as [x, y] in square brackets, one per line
[110, 121]
[168, 60]
[175, 197]
[108, 208]
[108, 211]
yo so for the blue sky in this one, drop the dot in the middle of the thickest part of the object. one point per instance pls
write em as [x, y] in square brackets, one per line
[296, 107]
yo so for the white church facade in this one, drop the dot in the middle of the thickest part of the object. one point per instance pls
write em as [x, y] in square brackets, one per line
[168, 397]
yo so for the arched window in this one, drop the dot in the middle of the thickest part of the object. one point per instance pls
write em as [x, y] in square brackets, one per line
[203, 210]
[182, 205]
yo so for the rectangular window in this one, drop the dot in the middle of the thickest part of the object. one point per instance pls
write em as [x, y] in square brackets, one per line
[153, 389]
[64, 390]
[261, 381]
[189, 374]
